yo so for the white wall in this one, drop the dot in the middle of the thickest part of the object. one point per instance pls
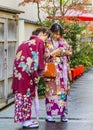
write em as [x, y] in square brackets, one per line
[28, 30]
[25, 30]
[29, 9]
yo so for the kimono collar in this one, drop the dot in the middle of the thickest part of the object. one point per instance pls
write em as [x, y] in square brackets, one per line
[35, 37]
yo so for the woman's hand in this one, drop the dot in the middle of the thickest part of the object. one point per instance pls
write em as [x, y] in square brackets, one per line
[65, 52]
[57, 51]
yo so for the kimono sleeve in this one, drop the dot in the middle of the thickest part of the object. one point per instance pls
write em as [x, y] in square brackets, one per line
[41, 51]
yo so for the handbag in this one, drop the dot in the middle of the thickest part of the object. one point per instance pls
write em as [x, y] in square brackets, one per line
[50, 70]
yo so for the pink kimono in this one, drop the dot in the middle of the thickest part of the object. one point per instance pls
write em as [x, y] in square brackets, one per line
[56, 89]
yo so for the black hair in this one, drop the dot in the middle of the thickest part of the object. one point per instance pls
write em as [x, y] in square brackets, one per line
[43, 30]
[56, 27]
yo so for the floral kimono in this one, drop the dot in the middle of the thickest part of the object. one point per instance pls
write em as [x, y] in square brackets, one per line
[27, 65]
[56, 88]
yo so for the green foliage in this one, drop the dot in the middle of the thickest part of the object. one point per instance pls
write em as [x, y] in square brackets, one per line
[82, 52]
[83, 56]
[70, 33]
[47, 23]
[41, 87]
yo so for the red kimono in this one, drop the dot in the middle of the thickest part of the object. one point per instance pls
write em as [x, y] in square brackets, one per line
[27, 64]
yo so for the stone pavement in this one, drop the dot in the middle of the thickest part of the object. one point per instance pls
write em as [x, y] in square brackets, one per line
[80, 106]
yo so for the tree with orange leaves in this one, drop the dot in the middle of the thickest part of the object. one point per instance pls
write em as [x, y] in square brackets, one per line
[52, 7]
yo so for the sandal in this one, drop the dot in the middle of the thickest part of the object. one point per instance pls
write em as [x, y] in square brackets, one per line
[33, 124]
[50, 119]
[64, 118]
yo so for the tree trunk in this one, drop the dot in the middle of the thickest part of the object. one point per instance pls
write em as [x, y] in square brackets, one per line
[38, 13]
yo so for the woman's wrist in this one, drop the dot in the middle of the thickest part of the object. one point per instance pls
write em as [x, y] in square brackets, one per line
[62, 52]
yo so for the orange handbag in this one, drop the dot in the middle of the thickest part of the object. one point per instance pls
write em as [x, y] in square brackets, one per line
[50, 70]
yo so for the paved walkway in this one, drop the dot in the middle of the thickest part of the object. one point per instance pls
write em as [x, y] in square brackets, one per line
[80, 105]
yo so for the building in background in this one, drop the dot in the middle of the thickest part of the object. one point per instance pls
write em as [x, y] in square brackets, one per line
[16, 25]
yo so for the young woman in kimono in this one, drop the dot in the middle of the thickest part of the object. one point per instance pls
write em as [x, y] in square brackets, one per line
[28, 66]
[59, 52]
